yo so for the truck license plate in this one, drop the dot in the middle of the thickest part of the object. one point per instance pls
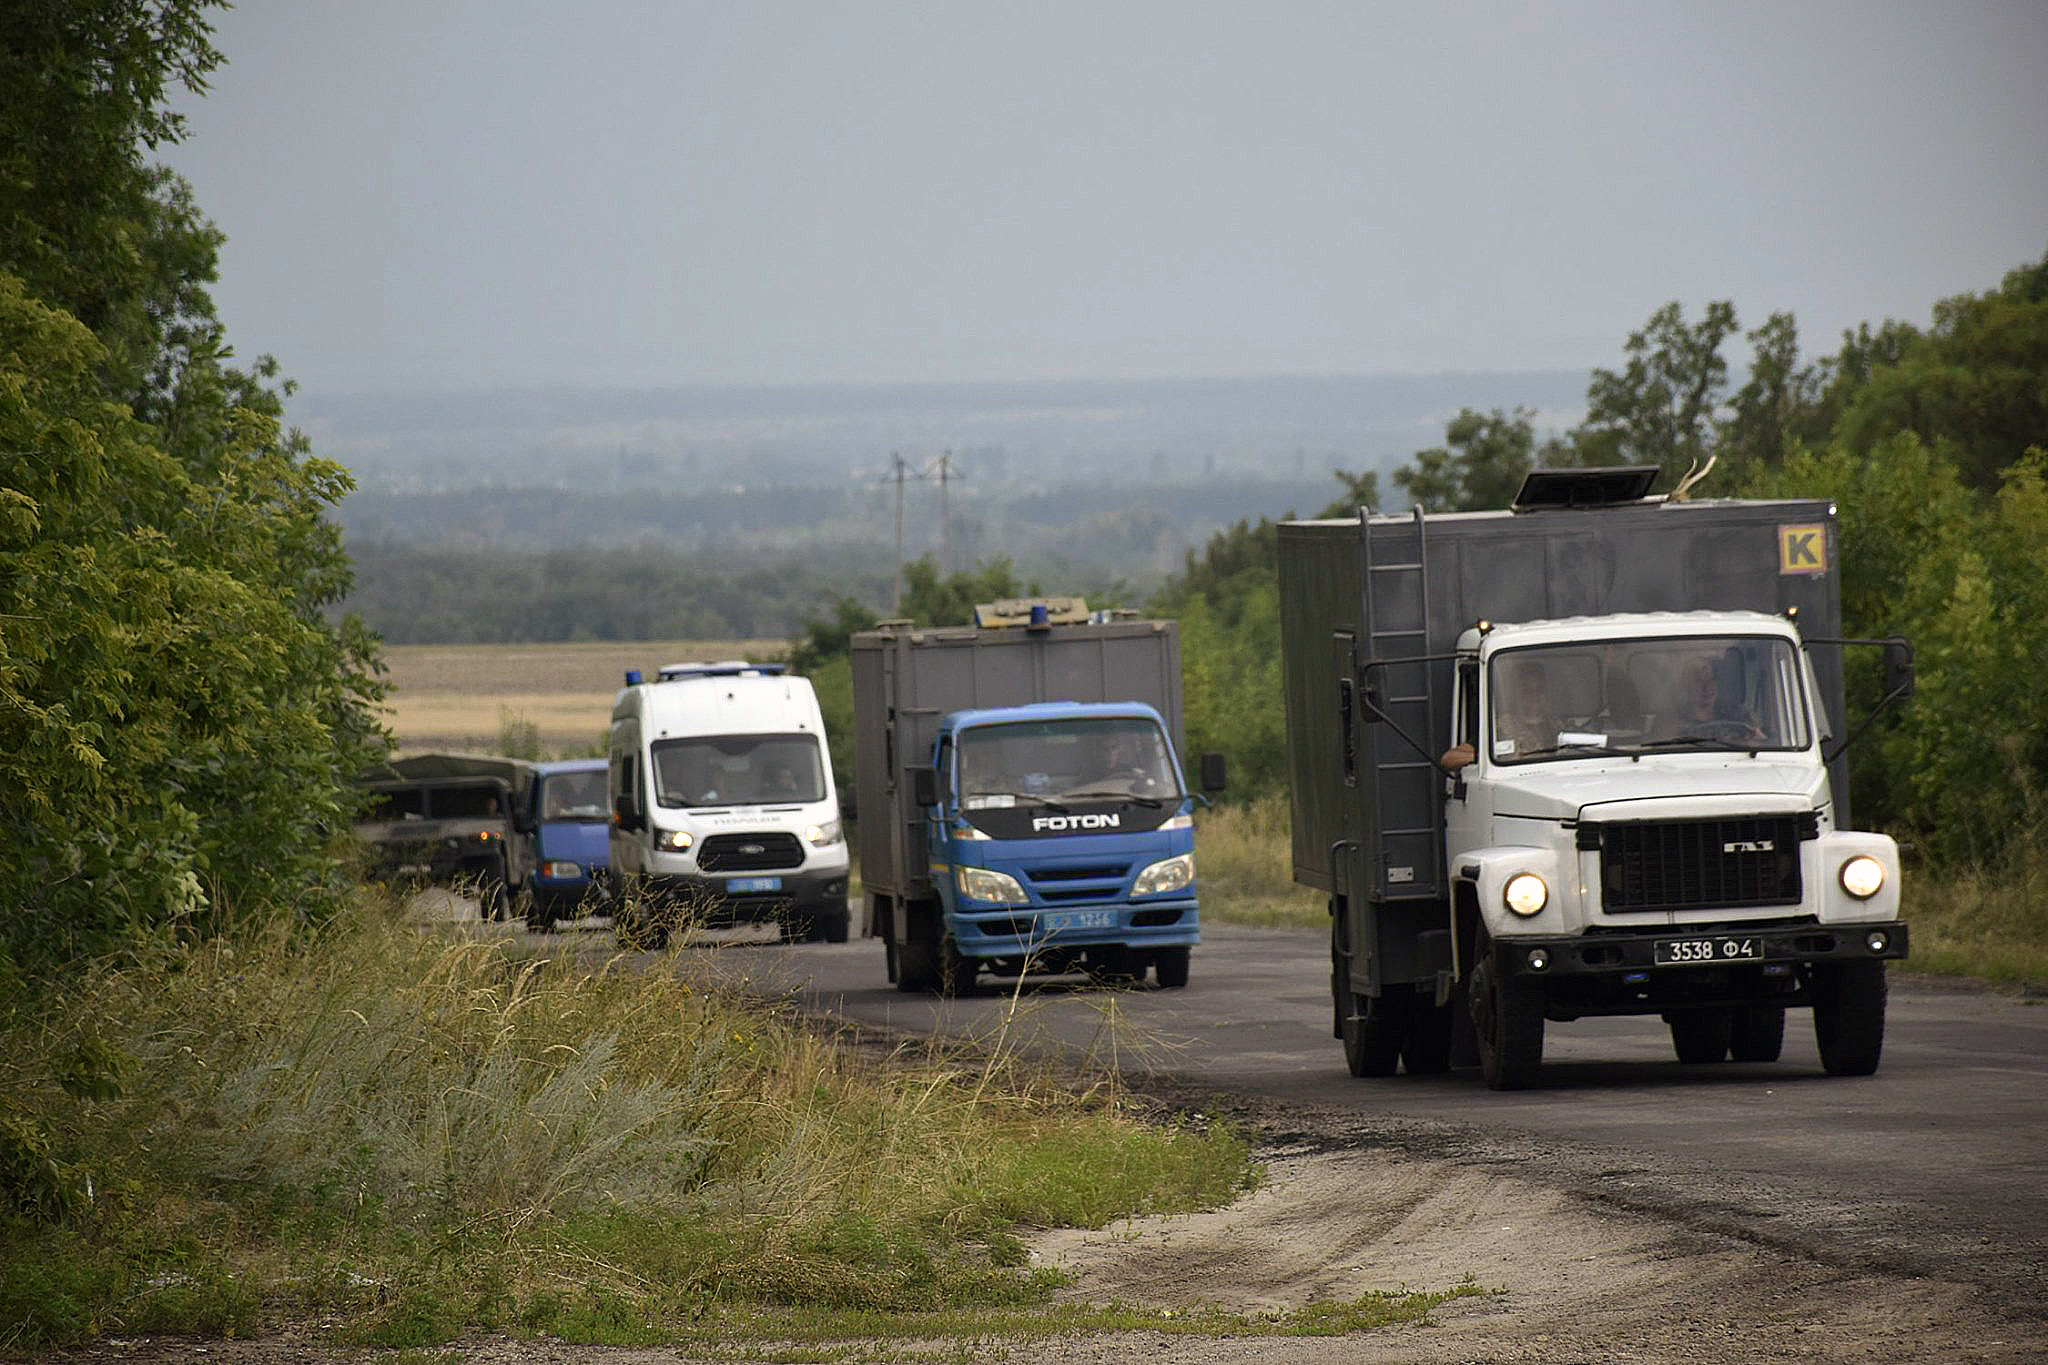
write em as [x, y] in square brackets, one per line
[740, 886]
[1077, 919]
[1689, 952]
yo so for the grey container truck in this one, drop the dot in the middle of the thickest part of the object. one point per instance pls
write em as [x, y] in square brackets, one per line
[1584, 758]
[1021, 796]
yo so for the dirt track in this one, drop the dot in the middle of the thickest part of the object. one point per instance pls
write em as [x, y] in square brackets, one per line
[1573, 1280]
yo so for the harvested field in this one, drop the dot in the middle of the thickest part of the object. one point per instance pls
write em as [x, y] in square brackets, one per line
[463, 697]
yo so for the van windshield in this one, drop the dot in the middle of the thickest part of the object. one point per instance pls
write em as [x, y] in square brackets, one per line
[572, 796]
[1562, 701]
[738, 770]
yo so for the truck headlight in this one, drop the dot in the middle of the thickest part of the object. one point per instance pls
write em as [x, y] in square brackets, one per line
[561, 871]
[1175, 874]
[1525, 894]
[673, 840]
[1863, 876]
[820, 836]
[986, 887]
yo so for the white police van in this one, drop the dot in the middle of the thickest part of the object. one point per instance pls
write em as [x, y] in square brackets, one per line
[723, 805]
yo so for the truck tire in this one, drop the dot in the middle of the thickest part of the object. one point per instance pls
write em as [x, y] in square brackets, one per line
[1759, 1033]
[1507, 1023]
[1170, 965]
[834, 925]
[539, 918]
[956, 970]
[1372, 1047]
[1700, 1037]
[1848, 1016]
[917, 957]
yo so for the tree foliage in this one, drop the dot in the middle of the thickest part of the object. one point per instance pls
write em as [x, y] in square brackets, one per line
[178, 720]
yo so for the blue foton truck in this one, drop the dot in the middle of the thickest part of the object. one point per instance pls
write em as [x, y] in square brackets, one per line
[1021, 797]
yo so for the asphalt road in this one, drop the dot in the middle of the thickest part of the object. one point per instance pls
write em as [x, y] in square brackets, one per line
[1936, 1166]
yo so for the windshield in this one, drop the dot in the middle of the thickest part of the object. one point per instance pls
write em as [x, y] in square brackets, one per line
[1695, 692]
[1064, 760]
[738, 770]
[572, 796]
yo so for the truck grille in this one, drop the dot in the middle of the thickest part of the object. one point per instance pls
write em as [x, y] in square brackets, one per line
[749, 852]
[1700, 864]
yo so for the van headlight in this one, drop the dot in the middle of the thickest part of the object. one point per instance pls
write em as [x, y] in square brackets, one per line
[673, 840]
[1863, 876]
[986, 887]
[1525, 894]
[1175, 874]
[822, 836]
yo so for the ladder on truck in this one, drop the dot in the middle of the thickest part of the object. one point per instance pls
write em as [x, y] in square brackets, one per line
[1403, 844]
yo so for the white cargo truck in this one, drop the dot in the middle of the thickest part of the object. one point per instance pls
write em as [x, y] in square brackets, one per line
[1584, 758]
[723, 805]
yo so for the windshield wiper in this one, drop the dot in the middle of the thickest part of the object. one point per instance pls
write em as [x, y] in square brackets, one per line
[1603, 749]
[1106, 795]
[1704, 742]
[1050, 803]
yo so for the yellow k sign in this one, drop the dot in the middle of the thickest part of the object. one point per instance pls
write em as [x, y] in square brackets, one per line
[1802, 549]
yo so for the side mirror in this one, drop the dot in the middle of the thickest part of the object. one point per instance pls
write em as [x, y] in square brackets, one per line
[924, 786]
[626, 813]
[1898, 668]
[1212, 773]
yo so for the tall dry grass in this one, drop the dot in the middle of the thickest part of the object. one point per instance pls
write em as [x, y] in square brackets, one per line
[1245, 857]
[421, 1134]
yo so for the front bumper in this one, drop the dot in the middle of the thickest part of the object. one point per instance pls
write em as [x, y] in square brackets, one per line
[716, 900]
[1012, 930]
[1620, 973]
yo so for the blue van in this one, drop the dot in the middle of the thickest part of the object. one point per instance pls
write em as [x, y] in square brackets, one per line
[569, 822]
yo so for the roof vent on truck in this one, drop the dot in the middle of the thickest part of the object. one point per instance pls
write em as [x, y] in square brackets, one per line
[1546, 489]
[729, 668]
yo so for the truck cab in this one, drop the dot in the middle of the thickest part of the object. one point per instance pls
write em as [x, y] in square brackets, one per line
[1645, 793]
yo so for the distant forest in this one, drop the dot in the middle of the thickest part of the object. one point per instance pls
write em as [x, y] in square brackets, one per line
[534, 517]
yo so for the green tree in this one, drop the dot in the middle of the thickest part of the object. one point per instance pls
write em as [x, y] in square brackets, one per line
[1661, 407]
[1778, 408]
[179, 720]
[1977, 379]
[1481, 465]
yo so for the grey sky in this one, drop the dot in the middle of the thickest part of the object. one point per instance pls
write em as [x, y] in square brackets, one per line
[498, 192]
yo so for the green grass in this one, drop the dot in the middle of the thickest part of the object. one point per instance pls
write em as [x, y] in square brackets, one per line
[416, 1137]
[1987, 922]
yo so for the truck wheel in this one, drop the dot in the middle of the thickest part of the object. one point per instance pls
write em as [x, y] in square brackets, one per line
[1759, 1033]
[835, 924]
[917, 957]
[538, 917]
[1372, 1047]
[1507, 1023]
[490, 899]
[956, 970]
[1171, 967]
[1848, 1016]
[1701, 1036]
